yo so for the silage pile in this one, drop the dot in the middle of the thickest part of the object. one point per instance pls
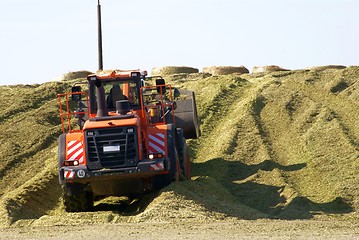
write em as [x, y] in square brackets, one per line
[170, 70]
[277, 145]
[225, 70]
[29, 125]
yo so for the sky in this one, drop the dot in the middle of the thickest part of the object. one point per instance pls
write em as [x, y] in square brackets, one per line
[41, 40]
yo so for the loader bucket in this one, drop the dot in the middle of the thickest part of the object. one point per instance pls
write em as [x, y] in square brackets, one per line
[186, 114]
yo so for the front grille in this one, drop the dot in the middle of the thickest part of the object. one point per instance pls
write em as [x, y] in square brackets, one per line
[111, 147]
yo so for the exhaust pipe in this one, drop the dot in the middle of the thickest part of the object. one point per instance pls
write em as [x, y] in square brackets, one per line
[99, 27]
[95, 85]
[102, 110]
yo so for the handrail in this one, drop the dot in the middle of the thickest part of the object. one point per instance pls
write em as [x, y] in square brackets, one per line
[66, 114]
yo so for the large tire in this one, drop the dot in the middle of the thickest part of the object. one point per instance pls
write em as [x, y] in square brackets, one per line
[61, 149]
[184, 160]
[185, 164]
[81, 201]
[61, 155]
[161, 181]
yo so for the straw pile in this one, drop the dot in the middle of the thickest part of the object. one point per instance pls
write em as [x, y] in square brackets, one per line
[225, 70]
[170, 70]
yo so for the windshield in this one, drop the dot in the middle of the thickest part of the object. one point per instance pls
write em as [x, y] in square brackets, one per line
[116, 91]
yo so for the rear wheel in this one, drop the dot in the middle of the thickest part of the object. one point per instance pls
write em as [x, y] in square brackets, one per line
[185, 164]
[76, 200]
[184, 161]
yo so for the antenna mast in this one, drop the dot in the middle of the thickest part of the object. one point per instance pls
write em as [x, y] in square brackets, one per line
[100, 60]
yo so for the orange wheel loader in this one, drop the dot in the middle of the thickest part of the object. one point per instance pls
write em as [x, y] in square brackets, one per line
[129, 138]
[122, 137]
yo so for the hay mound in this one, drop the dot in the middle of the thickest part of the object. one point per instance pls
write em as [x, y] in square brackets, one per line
[76, 74]
[170, 70]
[267, 69]
[225, 70]
[321, 68]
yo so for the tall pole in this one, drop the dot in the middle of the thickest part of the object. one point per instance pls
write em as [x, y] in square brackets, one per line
[100, 60]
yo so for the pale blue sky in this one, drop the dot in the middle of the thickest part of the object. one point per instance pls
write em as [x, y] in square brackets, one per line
[41, 40]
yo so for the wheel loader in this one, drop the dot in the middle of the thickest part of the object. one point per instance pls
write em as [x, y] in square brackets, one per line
[129, 137]
[123, 137]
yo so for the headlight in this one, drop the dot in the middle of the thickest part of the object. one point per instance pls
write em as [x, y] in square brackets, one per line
[155, 155]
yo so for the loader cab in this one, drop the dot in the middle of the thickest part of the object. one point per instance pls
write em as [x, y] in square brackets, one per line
[106, 90]
[107, 94]
[118, 90]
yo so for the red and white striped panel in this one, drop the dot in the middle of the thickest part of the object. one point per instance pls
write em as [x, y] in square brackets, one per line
[69, 174]
[75, 151]
[156, 143]
[158, 166]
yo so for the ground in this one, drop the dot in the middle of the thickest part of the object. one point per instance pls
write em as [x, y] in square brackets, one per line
[241, 229]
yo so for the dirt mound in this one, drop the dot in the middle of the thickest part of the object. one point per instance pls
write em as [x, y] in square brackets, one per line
[281, 145]
[225, 70]
[169, 70]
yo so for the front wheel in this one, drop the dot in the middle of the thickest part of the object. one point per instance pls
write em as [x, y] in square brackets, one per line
[80, 201]
[162, 180]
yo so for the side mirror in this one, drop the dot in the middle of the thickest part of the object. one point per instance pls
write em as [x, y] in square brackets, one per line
[176, 93]
[76, 97]
[160, 89]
